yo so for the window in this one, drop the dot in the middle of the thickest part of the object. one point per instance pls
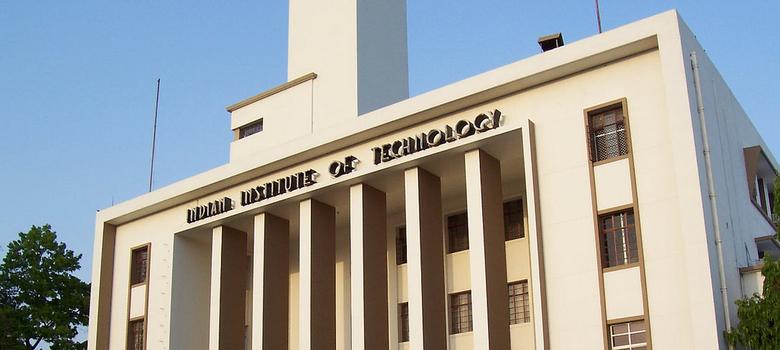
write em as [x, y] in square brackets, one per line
[250, 129]
[135, 335]
[139, 265]
[628, 336]
[513, 220]
[460, 311]
[761, 175]
[400, 246]
[457, 233]
[607, 134]
[519, 310]
[403, 322]
[618, 239]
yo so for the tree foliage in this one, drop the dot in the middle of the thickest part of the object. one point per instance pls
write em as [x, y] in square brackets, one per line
[41, 301]
[759, 316]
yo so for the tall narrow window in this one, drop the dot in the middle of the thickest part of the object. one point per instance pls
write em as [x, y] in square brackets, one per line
[403, 322]
[135, 335]
[607, 134]
[628, 336]
[460, 311]
[513, 220]
[139, 265]
[519, 309]
[618, 239]
[457, 233]
[400, 246]
[250, 129]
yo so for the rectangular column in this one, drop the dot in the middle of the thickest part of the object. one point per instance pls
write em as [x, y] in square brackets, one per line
[484, 204]
[317, 276]
[368, 256]
[270, 283]
[425, 259]
[228, 289]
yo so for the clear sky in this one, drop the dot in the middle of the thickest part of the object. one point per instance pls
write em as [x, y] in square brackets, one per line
[77, 83]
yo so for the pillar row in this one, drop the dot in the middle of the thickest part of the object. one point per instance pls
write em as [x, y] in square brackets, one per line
[228, 288]
[487, 251]
[425, 261]
[317, 320]
[368, 254]
[270, 283]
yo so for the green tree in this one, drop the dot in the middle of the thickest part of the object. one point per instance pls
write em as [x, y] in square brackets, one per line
[759, 316]
[41, 301]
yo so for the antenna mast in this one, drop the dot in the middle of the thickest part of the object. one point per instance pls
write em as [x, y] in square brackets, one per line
[154, 134]
[598, 15]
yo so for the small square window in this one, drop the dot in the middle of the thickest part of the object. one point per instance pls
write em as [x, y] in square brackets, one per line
[457, 233]
[250, 129]
[607, 134]
[460, 312]
[139, 265]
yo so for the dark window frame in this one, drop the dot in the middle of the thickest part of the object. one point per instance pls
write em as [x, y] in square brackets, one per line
[403, 322]
[513, 230]
[457, 232]
[401, 250]
[461, 318]
[608, 132]
[519, 302]
[139, 265]
[136, 336]
[250, 129]
[618, 239]
[628, 335]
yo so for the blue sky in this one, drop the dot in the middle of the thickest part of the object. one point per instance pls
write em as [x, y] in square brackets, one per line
[77, 83]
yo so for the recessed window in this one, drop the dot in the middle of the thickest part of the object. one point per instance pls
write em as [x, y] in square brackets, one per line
[618, 239]
[761, 176]
[607, 133]
[139, 265]
[457, 233]
[250, 129]
[403, 322]
[135, 335]
[400, 246]
[460, 311]
[513, 220]
[519, 308]
[628, 336]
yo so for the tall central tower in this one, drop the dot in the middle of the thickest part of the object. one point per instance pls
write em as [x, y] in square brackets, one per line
[358, 50]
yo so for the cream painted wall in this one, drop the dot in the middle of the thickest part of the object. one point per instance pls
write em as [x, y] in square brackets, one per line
[286, 116]
[623, 293]
[613, 184]
[137, 301]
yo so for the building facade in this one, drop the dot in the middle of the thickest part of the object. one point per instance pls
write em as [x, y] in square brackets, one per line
[607, 194]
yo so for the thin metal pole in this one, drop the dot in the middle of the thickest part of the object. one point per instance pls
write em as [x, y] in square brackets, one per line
[154, 134]
[598, 15]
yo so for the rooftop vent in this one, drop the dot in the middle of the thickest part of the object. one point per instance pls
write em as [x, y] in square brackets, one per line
[552, 41]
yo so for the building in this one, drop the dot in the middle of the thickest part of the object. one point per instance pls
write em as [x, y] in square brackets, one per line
[563, 201]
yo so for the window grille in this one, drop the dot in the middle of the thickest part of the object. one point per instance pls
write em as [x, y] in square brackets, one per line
[135, 336]
[607, 134]
[458, 233]
[618, 239]
[628, 336]
[460, 311]
[519, 308]
[250, 129]
[140, 262]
